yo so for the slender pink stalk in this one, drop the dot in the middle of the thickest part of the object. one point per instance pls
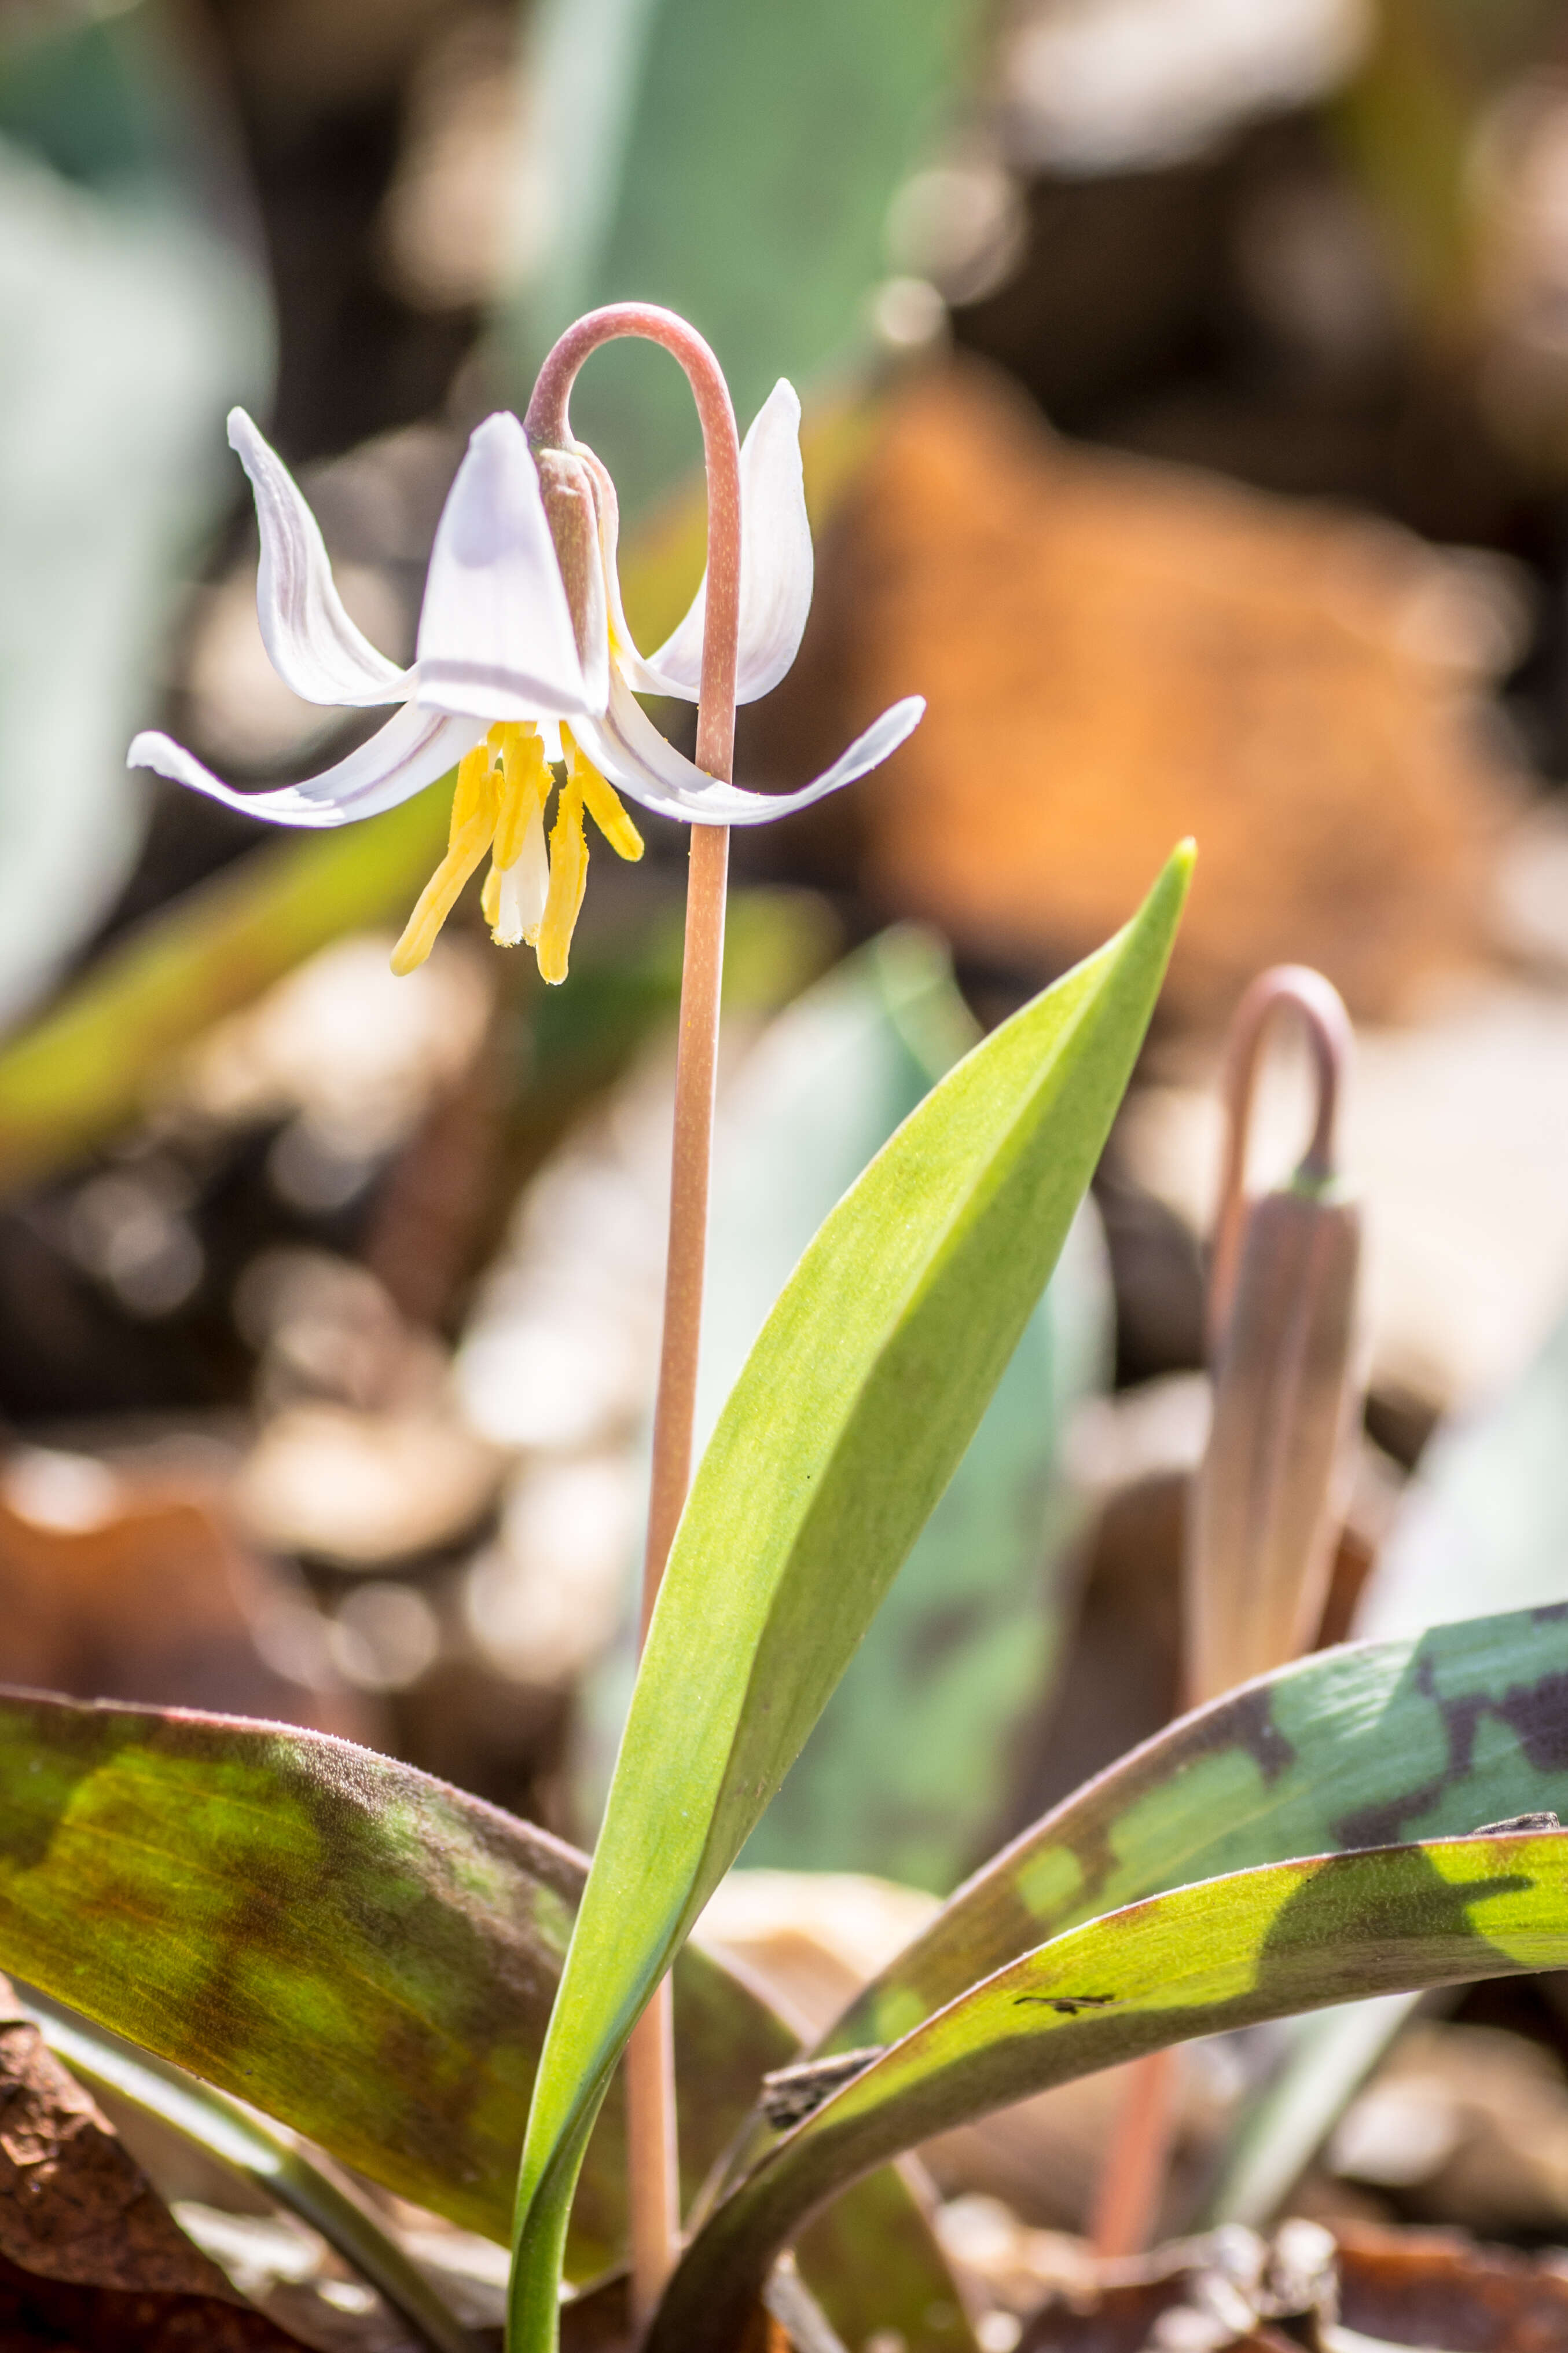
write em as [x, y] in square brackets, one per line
[651, 2143]
[1132, 2184]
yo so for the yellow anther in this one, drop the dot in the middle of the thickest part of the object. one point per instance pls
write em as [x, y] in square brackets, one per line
[502, 787]
[474, 812]
[568, 877]
[603, 801]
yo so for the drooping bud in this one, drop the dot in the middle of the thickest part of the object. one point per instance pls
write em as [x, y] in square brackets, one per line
[566, 483]
[1267, 1501]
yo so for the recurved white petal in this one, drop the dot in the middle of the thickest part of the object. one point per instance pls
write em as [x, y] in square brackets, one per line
[495, 635]
[627, 748]
[776, 566]
[411, 751]
[311, 642]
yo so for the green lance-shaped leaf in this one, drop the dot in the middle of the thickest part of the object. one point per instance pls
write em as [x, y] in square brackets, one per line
[370, 1956]
[854, 1408]
[1425, 1737]
[969, 1638]
[1227, 1952]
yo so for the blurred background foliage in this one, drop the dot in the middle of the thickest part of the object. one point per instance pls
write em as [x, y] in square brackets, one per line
[1187, 390]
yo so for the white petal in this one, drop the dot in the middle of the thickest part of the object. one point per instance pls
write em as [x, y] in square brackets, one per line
[628, 749]
[495, 634]
[410, 752]
[775, 566]
[312, 644]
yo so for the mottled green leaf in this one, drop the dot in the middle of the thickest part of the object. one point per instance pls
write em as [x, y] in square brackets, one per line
[1227, 1952]
[853, 1411]
[1486, 1515]
[339, 1940]
[370, 1956]
[1423, 1738]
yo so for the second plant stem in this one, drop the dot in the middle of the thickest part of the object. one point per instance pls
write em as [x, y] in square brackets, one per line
[654, 2172]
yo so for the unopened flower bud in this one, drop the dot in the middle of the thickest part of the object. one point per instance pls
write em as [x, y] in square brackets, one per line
[1267, 1501]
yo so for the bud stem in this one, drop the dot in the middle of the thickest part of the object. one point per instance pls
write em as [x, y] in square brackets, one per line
[651, 2145]
[1322, 1010]
[1131, 2186]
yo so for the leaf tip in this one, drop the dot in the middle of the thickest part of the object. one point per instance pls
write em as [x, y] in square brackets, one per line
[1162, 911]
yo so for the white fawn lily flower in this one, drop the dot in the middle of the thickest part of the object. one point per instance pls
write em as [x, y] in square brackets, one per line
[523, 660]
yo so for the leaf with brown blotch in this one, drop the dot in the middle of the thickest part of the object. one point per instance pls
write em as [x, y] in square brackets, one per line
[368, 1956]
[1373, 1742]
[1227, 1952]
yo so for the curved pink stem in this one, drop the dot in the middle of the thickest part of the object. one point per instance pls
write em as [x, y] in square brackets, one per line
[653, 2183]
[547, 421]
[1322, 1010]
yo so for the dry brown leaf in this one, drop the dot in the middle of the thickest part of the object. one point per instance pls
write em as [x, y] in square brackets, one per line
[88, 2252]
[1116, 653]
[119, 1588]
[1437, 2287]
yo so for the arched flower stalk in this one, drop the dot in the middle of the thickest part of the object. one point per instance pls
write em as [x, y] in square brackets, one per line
[524, 665]
[526, 674]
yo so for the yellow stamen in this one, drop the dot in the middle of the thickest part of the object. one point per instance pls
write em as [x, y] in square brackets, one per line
[603, 801]
[503, 785]
[474, 809]
[568, 878]
[525, 779]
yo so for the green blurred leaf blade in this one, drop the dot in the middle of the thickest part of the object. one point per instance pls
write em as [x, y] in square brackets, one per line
[136, 314]
[737, 164]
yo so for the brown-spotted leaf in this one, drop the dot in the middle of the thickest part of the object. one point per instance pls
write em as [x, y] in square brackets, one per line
[1227, 1952]
[359, 1950]
[333, 1937]
[1425, 1737]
